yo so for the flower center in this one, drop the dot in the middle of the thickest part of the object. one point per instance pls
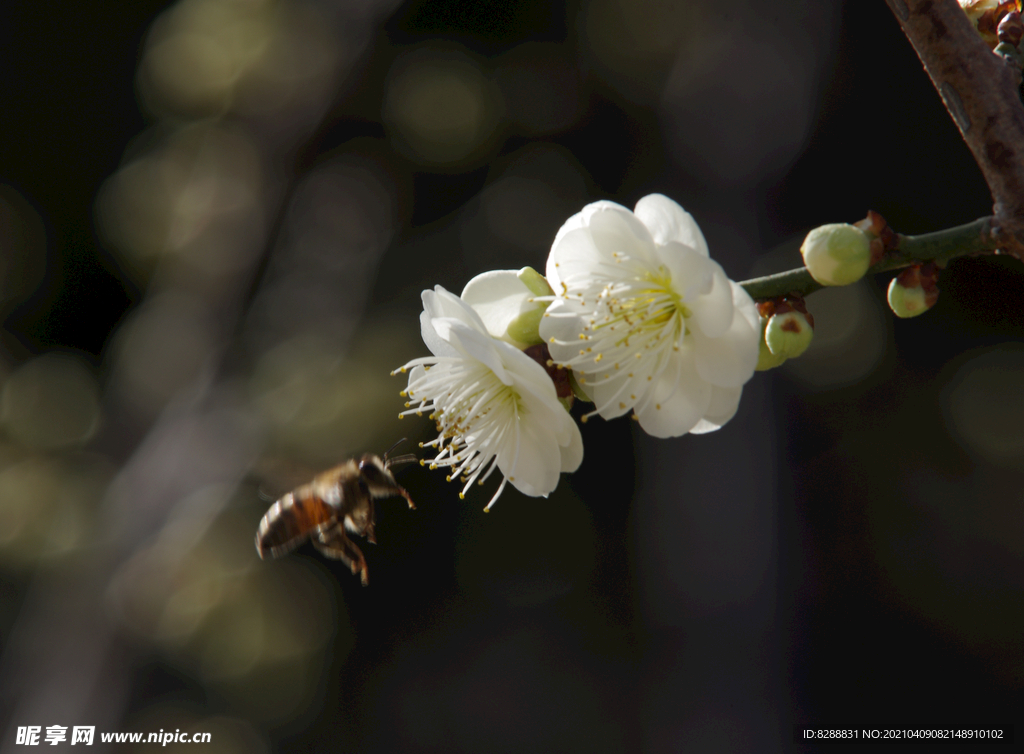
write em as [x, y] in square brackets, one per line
[630, 324]
[475, 413]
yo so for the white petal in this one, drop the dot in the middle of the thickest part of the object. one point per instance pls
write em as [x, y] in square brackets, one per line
[616, 229]
[527, 374]
[473, 344]
[441, 303]
[667, 222]
[537, 392]
[437, 345]
[724, 402]
[575, 253]
[572, 452]
[573, 223]
[498, 297]
[713, 312]
[594, 208]
[616, 397]
[417, 372]
[745, 305]
[579, 221]
[728, 360]
[677, 404]
[562, 323]
[531, 459]
[692, 275]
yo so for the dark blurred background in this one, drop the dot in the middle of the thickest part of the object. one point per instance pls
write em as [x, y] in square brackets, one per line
[216, 217]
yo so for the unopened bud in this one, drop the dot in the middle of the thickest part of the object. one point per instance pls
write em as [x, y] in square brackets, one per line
[788, 335]
[766, 359]
[837, 254]
[526, 327]
[536, 283]
[914, 291]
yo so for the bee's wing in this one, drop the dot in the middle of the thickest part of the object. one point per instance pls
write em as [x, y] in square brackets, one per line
[333, 543]
[273, 476]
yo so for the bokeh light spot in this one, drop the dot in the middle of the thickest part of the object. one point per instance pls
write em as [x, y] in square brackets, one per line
[199, 49]
[47, 507]
[193, 199]
[51, 401]
[851, 336]
[984, 405]
[440, 106]
[161, 349]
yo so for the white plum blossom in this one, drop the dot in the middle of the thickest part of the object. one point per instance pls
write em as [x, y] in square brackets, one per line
[646, 320]
[495, 407]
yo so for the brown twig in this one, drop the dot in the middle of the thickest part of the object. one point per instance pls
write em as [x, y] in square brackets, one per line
[979, 91]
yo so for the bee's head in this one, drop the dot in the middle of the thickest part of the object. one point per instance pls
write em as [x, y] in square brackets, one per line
[376, 474]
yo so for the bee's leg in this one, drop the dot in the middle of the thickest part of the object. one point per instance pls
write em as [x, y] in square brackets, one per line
[395, 490]
[401, 491]
[334, 544]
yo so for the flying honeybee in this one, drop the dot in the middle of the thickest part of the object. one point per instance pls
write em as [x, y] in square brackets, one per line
[337, 500]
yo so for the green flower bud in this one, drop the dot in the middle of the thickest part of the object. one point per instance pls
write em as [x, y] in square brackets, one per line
[526, 327]
[788, 335]
[766, 359]
[536, 283]
[837, 254]
[913, 291]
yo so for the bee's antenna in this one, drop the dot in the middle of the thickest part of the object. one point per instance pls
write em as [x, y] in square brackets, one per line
[397, 460]
[388, 451]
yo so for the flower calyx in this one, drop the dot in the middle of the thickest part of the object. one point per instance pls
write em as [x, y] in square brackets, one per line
[914, 291]
[560, 376]
[883, 238]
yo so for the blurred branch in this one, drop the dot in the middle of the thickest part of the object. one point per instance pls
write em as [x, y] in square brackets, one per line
[981, 92]
[941, 246]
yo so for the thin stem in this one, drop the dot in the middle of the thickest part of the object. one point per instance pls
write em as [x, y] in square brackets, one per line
[941, 246]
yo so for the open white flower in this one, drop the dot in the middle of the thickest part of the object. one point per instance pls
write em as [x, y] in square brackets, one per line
[495, 407]
[646, 320]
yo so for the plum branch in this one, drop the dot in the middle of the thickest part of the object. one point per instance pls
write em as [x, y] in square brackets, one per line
[980, 89]
[939, 247]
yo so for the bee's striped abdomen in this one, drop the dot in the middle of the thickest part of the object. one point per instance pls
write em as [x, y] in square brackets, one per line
[290, 520]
